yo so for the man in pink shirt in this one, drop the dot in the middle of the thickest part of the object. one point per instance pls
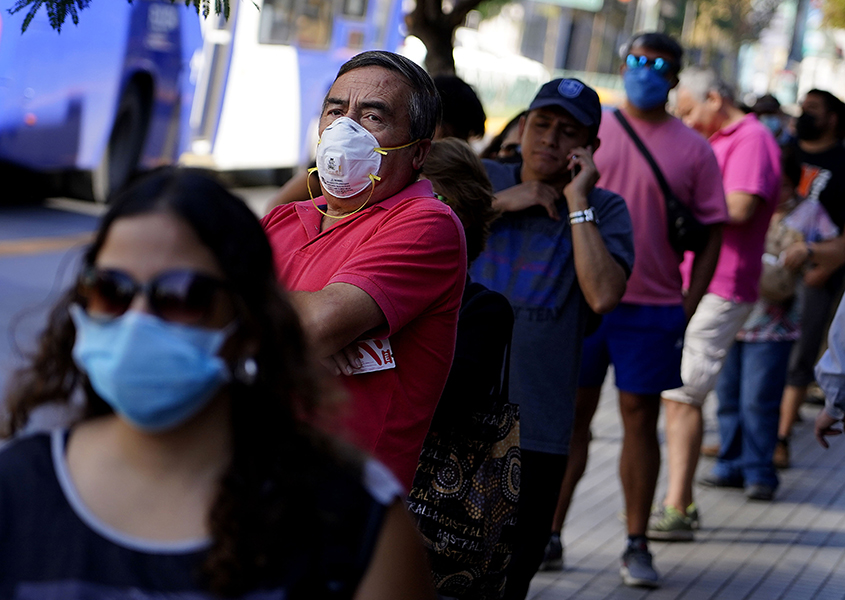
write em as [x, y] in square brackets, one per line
[749, 159]
[378, 264]
[643, 336]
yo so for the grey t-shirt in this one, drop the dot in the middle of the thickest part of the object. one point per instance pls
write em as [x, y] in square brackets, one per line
[529, 259]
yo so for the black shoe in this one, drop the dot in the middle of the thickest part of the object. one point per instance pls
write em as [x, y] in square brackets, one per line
[553, 556]
[760, 491]
[780, 458]
[721, 482]
[637, 569]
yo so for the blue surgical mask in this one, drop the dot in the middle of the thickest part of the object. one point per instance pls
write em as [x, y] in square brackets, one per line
[153, 373]
[645, 88]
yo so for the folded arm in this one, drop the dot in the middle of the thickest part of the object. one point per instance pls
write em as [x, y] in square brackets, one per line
[336, 316]
[528, 194]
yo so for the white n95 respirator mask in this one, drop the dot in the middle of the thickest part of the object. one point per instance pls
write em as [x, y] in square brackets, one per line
[349, 158]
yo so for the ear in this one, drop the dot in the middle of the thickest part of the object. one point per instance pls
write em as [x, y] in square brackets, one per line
[241, 344]
[596, 143]
[521, 127]
[715, 99]
[421, 151]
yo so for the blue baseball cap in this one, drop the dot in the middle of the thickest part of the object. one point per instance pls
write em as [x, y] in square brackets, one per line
[572, 95]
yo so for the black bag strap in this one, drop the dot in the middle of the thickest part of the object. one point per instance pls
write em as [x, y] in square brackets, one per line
[667, 192]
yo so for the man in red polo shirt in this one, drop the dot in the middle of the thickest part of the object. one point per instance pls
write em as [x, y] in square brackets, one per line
[378, 264]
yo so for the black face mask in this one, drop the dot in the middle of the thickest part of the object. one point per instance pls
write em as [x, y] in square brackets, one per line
[807, 128]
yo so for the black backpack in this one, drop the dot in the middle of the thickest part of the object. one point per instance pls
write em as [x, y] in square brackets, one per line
[466, 487]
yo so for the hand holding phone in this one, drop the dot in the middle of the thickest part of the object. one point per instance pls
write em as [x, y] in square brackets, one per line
[583, 172]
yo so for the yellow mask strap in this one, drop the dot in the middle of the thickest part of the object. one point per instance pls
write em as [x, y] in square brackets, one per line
[384, 151]
[373, 179]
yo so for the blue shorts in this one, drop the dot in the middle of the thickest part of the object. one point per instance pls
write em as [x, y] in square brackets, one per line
[644, 344]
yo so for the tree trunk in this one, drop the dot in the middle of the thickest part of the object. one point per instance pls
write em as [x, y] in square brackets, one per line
[436, 30]
[440, 60]
[438, 37]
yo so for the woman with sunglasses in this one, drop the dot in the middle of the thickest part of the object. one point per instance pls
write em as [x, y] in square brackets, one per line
[190, 471]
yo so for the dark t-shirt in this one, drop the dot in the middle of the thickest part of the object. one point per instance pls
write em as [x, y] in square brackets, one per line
[53, 548]
[529, 259]
[823, 177]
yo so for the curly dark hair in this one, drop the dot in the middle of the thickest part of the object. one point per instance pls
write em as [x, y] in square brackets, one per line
[264, 501]
[457, 174]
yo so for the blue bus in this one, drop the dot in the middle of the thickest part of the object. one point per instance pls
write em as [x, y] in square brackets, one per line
[104, 97]
[134, 86]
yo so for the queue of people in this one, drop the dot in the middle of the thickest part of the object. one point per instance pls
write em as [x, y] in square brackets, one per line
[252, 399]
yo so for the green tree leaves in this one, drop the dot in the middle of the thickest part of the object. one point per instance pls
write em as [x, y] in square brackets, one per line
[59, 10]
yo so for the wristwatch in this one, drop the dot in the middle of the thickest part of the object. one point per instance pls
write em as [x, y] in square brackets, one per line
[584, 216]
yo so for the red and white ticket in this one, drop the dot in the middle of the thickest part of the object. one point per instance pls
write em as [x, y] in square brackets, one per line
[375, 355]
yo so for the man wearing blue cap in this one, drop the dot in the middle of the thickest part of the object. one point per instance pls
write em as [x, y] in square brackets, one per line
[555, 271]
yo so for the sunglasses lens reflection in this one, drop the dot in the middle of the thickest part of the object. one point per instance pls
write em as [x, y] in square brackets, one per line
[179, 296]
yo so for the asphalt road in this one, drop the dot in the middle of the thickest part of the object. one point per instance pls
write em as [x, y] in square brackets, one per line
[40, 249]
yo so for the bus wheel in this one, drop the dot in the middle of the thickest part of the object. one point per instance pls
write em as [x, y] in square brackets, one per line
[125, 145]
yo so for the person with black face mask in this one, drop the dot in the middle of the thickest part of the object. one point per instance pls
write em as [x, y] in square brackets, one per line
[807, 127]
[819, 131]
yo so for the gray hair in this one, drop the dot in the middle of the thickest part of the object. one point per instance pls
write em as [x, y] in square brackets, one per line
[424, 102]
[700, 81]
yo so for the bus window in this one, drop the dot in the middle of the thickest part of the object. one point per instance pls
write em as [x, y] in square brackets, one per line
[355, 8]
[306, 23]
[277, 26]
[314, 23]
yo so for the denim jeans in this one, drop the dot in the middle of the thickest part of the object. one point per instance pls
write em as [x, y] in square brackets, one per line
[749, 390]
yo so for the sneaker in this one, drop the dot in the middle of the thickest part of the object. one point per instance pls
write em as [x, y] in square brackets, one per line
[694, 517]
[710, 450]
[760, 491]
[721, 482]
[815, 395]
[780, 458]
[553, 556]
[670, 525]
[637, 569]
[692, 513]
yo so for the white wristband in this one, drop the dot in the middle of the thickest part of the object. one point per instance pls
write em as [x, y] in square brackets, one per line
[583, 216]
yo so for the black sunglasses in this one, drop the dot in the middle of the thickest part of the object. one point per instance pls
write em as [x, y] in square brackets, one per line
[181, 296]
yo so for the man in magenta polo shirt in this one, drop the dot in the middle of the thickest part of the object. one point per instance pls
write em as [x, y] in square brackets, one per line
[749, 159]
[378, 264]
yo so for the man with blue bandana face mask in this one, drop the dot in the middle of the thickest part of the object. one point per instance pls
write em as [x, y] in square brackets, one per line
[643, 336]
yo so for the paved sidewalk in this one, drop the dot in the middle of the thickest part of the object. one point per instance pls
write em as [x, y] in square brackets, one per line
[792, 548]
